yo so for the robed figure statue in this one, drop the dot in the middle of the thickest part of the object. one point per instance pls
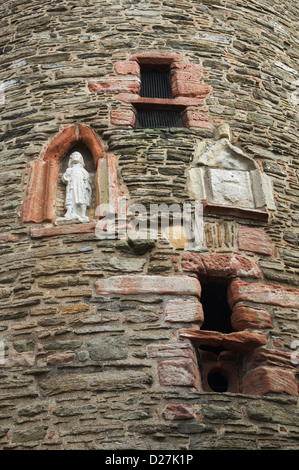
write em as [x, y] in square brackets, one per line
[78, 190]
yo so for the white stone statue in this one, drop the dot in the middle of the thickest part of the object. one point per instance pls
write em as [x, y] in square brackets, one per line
[78, 190]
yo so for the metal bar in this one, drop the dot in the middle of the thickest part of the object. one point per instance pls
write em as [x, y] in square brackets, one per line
[155, 84]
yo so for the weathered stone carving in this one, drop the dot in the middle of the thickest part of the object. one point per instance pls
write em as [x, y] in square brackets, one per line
[78, 190]
[224, 177]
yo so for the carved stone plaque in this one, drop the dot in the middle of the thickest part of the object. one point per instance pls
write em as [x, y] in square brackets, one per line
[229, 187]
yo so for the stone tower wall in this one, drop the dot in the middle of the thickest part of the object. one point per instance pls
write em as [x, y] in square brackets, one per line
[100, 339]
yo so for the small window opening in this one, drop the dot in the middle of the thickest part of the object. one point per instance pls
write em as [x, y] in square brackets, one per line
[156, 86]
[157, 117]
[155, 83]
[217, 381]
[216, 312]
[216, 309]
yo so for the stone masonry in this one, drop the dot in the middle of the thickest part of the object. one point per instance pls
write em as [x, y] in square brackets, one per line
[103, 343]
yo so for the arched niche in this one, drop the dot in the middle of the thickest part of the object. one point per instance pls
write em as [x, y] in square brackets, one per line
[43, 183]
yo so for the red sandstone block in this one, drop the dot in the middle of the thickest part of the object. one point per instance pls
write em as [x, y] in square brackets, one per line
[127, 97]
[268, 357]
[224, 266]
[61, 144]
[9, 238]
[178, 100]
[62, 358]
[240, 291]
[157, 58]
[112, 85]
[204, 337]
[127, 68]
[189, 88]
[184, 310]
[187, 101]
[142, 284]
[242, 341]
[174, 411]
[254, 240]
[34, 202]
[182, 373]
[49, 230]
[178, 67]
[171, 350]
[113, 190]
[244, 317]
[39, 204]
[183, 75]
[122, 117]
[195, 119]
[89, 138]
[265, 380]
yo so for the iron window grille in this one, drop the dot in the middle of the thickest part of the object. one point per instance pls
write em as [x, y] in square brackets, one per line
[158, 117]
[156, 83]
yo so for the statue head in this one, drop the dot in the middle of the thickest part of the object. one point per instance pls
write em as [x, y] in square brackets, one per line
[76, 158]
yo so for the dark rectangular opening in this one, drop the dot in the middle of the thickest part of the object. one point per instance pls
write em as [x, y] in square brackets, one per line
[155, 83]
[217, 312]
[156, 117]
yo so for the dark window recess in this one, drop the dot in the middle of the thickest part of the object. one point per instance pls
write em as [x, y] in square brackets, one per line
[216, 309]
[158, 118]
[217, 381]
[216, 312]
[155, 84]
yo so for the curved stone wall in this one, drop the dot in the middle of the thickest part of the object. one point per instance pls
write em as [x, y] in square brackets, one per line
[102, 339]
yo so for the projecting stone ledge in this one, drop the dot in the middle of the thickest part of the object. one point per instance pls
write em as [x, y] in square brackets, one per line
[50, 230]
[242, 341]
[135, 285]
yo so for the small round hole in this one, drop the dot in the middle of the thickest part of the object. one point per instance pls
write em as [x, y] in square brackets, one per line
[217, 381]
